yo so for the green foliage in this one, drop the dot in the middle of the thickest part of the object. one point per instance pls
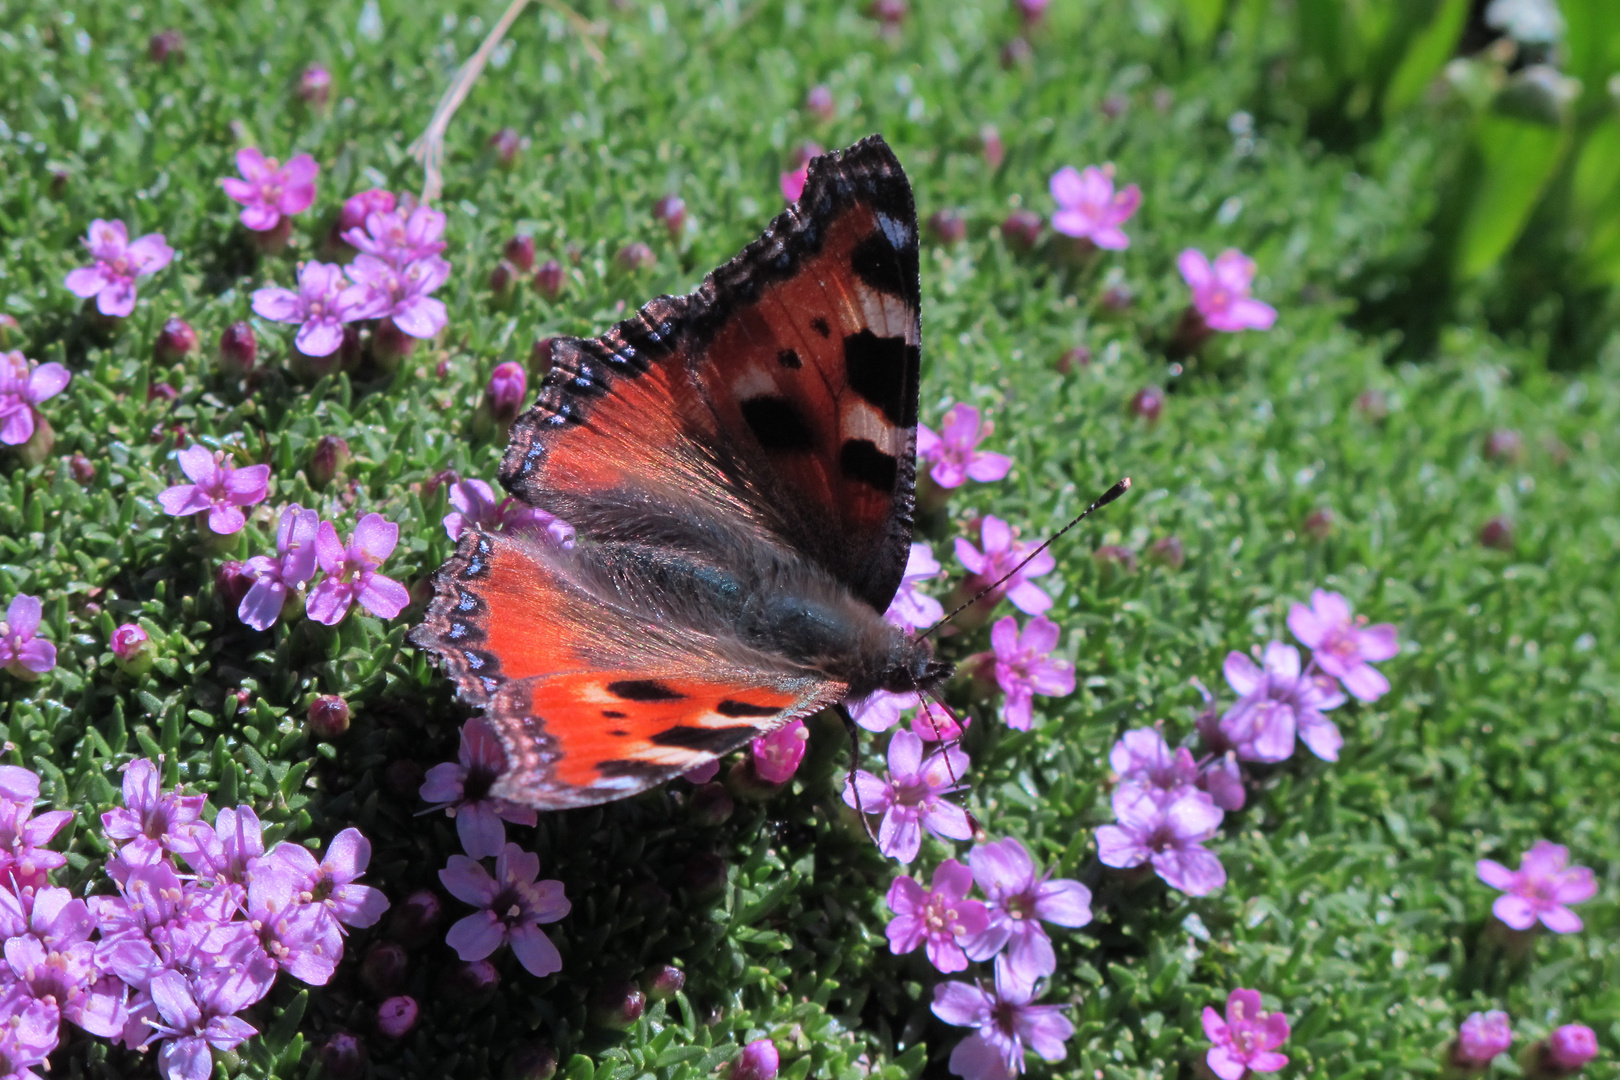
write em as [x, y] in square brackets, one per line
[1352, 904]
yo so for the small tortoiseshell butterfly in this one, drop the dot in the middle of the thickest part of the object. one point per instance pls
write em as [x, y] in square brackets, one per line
[738, 465]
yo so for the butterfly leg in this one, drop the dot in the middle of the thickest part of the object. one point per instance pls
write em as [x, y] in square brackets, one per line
[854, 761]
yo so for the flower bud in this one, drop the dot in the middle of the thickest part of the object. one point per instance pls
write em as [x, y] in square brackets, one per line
[385, 968]
[991, 146]
[635, 256]
[390, 345]
[540, 358]
[1077, 357]
[396, 1016]
[505, 144]
[404, 777]
[1563, 1053]
[314, 85]
[775, 757]
[891, 13]
[1016, 53]
[947, 226]
[413, 921]
[704, 876]
[1168, 551]
[238, 349]
[1148, 404]
[166, 47]
[758, 1061]
[132, 649]
[82, 468]
[662, 982]
[530, 1061]
[328, 716]
[819, 103]
[176, 341]
[1497, 534]
[671, 210]
[1031, 11]
[356, 208]
[502, 278]
[1318, 524]
[472, 984]
[344, 1057]
[1114, 559]
[1504, 444]
[617, 1006]
[329, 458]
[232, 582]
[519, 251]
[506, 393]
[1022, 229]
[1480, 1038]
[548, 280]
[711, 804]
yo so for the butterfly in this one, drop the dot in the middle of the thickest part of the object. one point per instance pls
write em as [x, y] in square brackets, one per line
[738, 465]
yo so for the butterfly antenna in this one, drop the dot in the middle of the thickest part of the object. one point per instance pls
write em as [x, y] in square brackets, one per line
[854, 761]
[1103, 500]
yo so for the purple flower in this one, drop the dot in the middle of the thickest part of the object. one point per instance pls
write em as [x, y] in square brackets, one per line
[28, 1035]
[475, 504]
[1276, 701]
[1171, 837]
[1001, 553]
[217, 486]
[151, 823]
[329, 886]
[24, 861]
[1089, 208]
[23, 385]
[913, 796]
[396, 1016]
[1006, 1022]
[1024, 669]
[227, 850]
[942, 916]
[322, 304]
[1541, 889]
[1247, 1039]
[759, 1060]
[127, 642]
[397, 239]
[508, 388]
[1142, 759]
[461, 788]
[269, 189]
[383, 290]
[357, 208]
[1344, 647]
[512, 906]
[193, 1022]
[22, 651]
[1222, 779]
[118, 263]
[776, 756]
[1569, 1048]
[1020, 899]
[1480, 1038]
[954, 451]
[1221, 292]
[274, 577]
[881, 710]
[910, 609]
[351, 572]
[49, 955]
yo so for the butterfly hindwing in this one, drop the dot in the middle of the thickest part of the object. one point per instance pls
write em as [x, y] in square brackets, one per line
[590, 702]
[781, 395]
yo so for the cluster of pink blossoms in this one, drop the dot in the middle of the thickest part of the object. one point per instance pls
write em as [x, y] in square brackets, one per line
[1485, 1035]
[171, 958]
[304, 543]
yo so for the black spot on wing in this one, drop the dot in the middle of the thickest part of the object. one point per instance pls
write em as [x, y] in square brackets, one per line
[883, 371]
[643, 690]
[777, 424]
[860, 459]
[708, 740]
[789, 359]
[613, 714]
[883, 266]
[728, 707]
[640, 770]
[819, 325]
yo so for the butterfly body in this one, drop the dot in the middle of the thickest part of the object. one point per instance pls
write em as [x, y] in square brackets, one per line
[738, 465]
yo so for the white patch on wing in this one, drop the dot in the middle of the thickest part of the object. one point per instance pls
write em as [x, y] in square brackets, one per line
[888, 316]
[862, 420]
[752, 382]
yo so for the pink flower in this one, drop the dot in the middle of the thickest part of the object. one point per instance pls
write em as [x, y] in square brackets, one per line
[793, 183]
[1024, 668]
[1246, 1041]
[910, 609]
[1569, 1048]
[881, 710]
[1143, 760]
[330, 886]
[1278, 701]
[1480, 1038]
[128, 641]
[25, 383]
[269, 189]
[190, 1026]
[351, 572]
[759, 1060]
[776, 756]
[151, 823]
[1020, 899]
[357, 208]
[118, 263]
[1541, 889]
[913, 796]
[954, 452]
[1006, 1022]
[475, 504]
[942, 916]
[397, 239]
[1221, 292]
[217, 486]
[274, 578]
[461, 789]
[22, 651]
[323, 303]
[24, 860]
[507, 390]
[29, 1035]
[512, 907]
[1171, 837]
[1089, 208]
[383, 290]
[1001, 553]
[1344, 647]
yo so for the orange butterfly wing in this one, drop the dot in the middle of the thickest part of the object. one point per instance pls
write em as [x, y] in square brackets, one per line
[781, 395]
[591, 702]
